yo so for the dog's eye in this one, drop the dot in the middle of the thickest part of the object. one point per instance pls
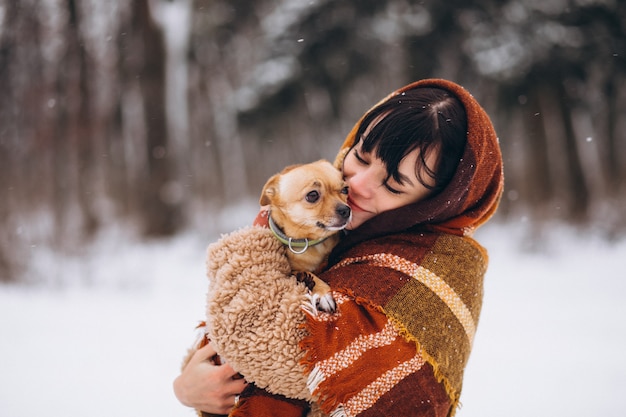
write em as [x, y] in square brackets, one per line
[344, 190]
[312, 196]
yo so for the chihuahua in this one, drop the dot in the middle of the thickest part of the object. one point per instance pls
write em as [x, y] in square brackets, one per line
[307, 209]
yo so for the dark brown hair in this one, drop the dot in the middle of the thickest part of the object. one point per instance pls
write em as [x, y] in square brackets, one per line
[428, 119]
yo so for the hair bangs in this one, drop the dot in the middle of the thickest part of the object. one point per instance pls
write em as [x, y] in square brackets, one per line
[428, 119]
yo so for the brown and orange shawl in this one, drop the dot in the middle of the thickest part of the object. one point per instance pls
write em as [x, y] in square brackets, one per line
[409, 289]
[417, 265]
[428, 288]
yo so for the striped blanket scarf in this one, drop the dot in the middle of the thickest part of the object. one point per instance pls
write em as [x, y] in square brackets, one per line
[417, 318]
[422, 310]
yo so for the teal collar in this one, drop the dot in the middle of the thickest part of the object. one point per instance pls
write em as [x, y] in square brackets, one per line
[302, 244]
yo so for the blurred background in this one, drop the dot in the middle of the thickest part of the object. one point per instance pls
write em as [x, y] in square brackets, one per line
[134, 132]
[153, 115]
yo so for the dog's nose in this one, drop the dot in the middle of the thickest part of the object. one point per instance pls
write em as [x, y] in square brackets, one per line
[344, 211]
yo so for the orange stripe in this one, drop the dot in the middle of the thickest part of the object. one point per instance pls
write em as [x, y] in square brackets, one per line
[368, 396]
[344, 358]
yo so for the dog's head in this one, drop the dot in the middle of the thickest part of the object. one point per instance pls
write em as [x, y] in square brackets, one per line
[308, 201]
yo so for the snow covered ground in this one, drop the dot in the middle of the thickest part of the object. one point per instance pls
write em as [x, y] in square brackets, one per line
[105, 335]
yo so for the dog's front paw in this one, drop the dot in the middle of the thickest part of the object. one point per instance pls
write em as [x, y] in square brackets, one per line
[319, 302]
[320, 298]
[325, 302]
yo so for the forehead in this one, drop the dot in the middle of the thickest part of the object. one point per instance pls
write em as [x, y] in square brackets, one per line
[406, 167]
[315, 175]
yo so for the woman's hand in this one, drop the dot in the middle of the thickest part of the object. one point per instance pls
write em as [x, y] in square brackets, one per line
[208, 387]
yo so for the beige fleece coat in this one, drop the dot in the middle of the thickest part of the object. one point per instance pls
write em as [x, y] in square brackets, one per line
[251, 288]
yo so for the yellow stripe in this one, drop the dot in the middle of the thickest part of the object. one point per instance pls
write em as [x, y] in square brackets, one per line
[429, 279]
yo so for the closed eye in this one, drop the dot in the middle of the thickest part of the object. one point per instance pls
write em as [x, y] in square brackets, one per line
[359, 158]
[391, 189]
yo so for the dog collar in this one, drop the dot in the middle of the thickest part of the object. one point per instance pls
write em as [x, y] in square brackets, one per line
[302, 244]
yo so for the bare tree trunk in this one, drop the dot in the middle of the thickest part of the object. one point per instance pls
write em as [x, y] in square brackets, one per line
[615, 137]
[79, 119]
[160, 210]
[577, 191]
[539, 188]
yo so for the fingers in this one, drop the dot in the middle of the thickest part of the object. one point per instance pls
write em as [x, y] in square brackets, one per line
[223, 402]
[203, 354]
[224, 370]
[236, 386]
[225, 406]
[206, 385]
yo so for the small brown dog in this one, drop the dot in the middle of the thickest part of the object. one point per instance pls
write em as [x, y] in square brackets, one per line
[307, 209]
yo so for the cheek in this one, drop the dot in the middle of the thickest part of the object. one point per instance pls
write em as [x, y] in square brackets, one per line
[347, 168]
[298, 213]
[384, 201]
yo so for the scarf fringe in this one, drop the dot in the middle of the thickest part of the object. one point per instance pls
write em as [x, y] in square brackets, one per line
[338, 412]
[315, 378]
[310, 306]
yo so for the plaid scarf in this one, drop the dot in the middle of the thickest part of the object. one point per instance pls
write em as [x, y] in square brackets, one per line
[409, 288]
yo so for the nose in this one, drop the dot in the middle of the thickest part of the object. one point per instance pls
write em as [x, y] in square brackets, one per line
[359, 184]
[343, 211]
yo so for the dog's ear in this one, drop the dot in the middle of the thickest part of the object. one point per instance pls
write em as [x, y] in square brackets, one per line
[269, 190]
[270, 187]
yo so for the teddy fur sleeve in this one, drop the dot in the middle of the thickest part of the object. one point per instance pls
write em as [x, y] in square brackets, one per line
[254, 318]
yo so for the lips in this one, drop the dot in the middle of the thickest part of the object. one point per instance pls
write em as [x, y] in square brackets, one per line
[354, 206]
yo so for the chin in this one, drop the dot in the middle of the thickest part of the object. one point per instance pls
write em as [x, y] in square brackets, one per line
[354, 223]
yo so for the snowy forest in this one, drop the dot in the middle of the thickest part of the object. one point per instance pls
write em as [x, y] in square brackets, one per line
[153, 114]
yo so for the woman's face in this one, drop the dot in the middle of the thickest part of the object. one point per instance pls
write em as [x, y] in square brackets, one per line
[371, 192]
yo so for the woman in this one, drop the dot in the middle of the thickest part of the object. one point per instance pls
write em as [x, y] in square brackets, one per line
[424, 169]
